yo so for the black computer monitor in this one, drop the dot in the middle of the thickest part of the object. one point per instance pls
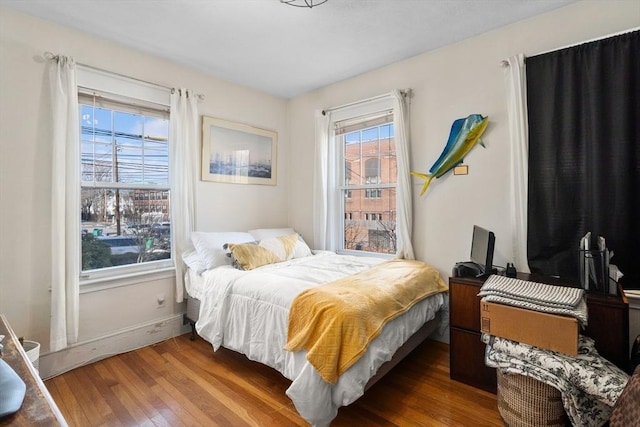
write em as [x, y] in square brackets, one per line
[482, 245]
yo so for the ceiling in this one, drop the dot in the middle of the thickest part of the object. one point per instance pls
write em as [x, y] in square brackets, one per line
[282, 50]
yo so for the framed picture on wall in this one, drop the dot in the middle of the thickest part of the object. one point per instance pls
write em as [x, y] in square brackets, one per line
[238, 153]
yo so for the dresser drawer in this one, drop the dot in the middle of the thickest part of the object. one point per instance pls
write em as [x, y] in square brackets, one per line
[467, 361]
[464, 304]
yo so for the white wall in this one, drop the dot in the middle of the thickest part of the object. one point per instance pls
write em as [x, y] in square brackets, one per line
[25, 170]
[450, 83]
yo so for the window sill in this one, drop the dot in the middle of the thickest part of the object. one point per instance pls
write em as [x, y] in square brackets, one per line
[363, 253]
[102, 283]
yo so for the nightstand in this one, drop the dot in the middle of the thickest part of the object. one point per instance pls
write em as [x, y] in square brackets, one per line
[466, 348]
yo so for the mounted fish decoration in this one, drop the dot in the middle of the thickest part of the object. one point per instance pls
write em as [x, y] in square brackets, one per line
[464, 135]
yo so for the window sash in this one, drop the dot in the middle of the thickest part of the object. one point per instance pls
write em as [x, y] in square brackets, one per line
[369, 184]
[348, 168]
[116, 104]
[123, 185]
[88, 277]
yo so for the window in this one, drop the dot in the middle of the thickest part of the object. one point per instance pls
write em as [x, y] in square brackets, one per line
[369, 192]
[124, 185]
[347, 137]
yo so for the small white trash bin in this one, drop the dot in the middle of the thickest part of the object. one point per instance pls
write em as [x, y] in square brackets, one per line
[32, 349]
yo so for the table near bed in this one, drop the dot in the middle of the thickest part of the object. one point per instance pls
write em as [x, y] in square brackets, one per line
[608, 325]
[38, 407]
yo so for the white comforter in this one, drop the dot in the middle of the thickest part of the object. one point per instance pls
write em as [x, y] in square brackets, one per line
[247, 311]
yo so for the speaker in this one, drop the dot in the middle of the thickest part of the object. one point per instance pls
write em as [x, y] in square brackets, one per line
[511, 270]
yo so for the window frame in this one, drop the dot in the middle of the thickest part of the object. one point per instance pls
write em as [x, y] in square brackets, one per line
[128, 95]
[371, 113]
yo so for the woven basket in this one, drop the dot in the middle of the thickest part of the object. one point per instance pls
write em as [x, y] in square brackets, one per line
[526, 402]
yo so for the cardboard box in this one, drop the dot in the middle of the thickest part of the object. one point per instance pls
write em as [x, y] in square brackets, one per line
[544, 330]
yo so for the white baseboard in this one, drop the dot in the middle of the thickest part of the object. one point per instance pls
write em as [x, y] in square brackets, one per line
[138, 336]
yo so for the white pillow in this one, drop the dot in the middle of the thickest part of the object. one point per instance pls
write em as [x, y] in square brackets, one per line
[193, 260]
[209, 245]
[301, 249]
[283, 247]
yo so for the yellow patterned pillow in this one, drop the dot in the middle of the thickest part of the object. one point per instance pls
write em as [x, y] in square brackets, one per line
[247, 256]
[282, 246]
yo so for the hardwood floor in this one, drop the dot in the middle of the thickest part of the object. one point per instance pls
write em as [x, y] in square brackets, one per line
[184, 383]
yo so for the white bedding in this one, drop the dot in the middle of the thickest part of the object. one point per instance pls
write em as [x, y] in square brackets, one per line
[247, 311]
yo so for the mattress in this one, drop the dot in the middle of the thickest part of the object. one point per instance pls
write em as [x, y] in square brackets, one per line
[247, 311]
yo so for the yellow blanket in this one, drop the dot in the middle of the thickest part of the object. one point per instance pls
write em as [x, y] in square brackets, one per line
[336, 322]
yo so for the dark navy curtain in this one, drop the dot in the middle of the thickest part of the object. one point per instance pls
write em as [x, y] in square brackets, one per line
[584, 155]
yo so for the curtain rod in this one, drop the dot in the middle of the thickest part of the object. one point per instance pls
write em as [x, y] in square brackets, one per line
[49, 55]
[504, 63]
[404, 92]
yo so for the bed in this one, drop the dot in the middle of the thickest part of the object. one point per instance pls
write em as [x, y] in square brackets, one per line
[247, 311]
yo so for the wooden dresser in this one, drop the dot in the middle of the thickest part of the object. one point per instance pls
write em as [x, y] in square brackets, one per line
[608, 325]
[466, 349]
[38, 407]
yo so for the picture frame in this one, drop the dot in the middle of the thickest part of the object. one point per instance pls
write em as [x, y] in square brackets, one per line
[238, 153]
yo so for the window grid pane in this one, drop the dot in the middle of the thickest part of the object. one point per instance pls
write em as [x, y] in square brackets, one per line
[365, 217]
[369, 194]
[137, 145]
[122, 224]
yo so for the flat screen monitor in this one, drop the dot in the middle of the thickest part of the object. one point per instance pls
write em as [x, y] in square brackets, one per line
[482, 245]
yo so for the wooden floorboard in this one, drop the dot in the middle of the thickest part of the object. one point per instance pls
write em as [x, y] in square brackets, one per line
[180, 382]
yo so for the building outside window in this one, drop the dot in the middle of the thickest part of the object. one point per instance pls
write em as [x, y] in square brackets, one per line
[372, 176]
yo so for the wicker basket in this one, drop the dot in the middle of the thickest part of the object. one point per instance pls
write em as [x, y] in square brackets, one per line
[526, 402]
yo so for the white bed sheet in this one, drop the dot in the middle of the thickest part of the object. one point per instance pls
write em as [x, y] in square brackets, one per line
[194, 283]
[247, 311]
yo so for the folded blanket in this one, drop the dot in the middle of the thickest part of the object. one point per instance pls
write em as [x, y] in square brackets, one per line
[590, 385]
[534, 292]
[336, 322]
[536, 296]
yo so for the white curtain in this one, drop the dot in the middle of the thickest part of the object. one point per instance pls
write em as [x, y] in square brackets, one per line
[404, 203]
[324, 184]
[65, 203]
[326, 195]
[184, 143]
[519, 162]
